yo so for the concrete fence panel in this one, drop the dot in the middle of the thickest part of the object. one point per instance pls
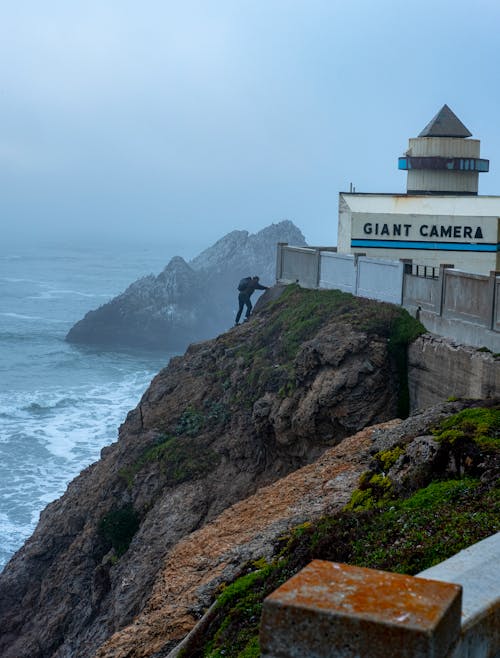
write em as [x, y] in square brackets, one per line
[496, 315]
[467, 297]
[380, 279]
[337, 271]
[301, 265]
[423, 292]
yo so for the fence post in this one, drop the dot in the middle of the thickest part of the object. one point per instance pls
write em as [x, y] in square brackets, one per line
[279, 260]
[490, 320]
[356, 267]
[407, 270]
[442, 281]
[330, 609]
[318, 266]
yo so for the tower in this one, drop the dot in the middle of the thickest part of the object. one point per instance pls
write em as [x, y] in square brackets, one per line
[442, 159]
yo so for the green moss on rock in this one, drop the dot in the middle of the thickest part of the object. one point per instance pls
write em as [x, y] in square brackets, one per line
[480, 425]
[298, 314]
[180, 458]
[118, 527]
[470, 436]
[404, 536]
[387, 458]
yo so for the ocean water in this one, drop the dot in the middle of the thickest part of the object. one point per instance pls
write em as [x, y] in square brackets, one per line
[60, 403]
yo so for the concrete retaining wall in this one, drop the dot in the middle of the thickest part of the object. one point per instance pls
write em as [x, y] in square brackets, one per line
[439, 369]
[300, 265]
[457, 304]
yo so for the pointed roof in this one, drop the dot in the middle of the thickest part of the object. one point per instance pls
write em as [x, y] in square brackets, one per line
[445, 124]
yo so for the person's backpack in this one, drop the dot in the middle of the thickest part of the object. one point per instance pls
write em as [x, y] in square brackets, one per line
[243, 284]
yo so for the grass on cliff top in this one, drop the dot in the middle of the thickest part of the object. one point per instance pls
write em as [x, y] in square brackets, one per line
[298, 314]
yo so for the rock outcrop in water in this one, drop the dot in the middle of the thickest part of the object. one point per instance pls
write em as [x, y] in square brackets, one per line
[234, 443]
[187, 302]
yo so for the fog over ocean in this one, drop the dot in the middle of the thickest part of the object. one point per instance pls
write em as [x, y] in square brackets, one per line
[60, 403]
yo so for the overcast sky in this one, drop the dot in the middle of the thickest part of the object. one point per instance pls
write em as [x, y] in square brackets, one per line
[180, 121]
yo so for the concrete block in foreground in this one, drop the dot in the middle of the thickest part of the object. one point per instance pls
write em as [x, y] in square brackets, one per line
[331, 609]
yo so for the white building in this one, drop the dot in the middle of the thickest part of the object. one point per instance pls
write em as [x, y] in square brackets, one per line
[441, 219]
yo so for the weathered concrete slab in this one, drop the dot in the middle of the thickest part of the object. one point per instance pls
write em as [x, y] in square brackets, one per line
[438, 368]
[477, 570]
[331, 609]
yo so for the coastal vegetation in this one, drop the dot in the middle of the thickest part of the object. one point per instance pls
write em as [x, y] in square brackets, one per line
[378, 529]
[118, 527]
[178, 458]
[298, 314]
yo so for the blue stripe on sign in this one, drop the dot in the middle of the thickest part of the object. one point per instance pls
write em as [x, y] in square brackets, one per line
[438, 246]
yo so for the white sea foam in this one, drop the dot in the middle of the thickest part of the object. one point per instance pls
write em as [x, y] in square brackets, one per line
[46, 440]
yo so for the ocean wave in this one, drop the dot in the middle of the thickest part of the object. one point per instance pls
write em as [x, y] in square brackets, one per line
[38, 318]
[20, 316]
[48, 438]
[15, 337]
[11, 531]
[79, 293]
[64, 403]
[52, 294]
[60, 404]
[10, 279]
[64, 420]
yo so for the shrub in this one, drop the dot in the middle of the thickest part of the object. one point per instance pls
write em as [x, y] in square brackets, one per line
[118, 527]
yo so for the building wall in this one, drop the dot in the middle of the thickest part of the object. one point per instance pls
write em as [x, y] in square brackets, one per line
[449, 181]
[414, 230]
[448, 147]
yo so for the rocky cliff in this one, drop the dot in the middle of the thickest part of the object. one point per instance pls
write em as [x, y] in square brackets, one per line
[232, 415]
[232, 445]
[186, 302]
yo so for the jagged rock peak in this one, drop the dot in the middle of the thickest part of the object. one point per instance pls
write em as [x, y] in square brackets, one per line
[177, 275]
[177, 263]
[220, 250]
[234, 247]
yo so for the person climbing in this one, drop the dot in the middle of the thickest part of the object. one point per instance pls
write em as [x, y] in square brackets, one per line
[246, 288]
